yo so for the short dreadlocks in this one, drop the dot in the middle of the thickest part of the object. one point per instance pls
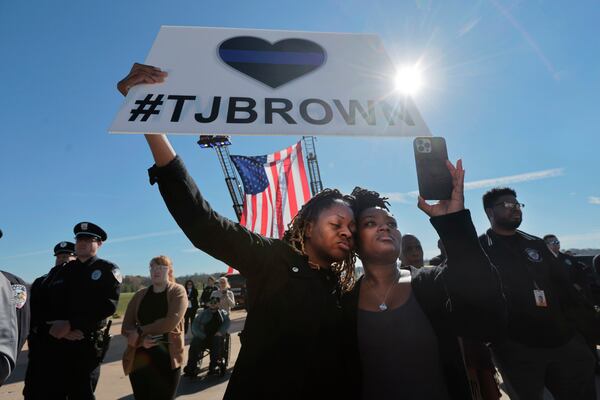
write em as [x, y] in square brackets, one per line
[364, 199]
[310, 212]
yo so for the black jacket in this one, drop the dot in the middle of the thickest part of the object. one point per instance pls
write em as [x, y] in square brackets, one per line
[90, 293]
[523, 259]
[193, 298]
[205, 296]
[290, 343]
[462, 297]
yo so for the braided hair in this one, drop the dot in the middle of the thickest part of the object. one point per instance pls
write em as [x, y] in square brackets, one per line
[364, 199]
[310, 211]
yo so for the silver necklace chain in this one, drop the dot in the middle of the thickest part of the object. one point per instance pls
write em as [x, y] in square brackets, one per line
[383, 306]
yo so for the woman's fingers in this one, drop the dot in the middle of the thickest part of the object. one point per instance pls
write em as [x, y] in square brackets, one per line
[141, 73]
[422, 204]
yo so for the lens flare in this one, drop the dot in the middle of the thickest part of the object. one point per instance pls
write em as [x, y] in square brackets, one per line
[409, 80]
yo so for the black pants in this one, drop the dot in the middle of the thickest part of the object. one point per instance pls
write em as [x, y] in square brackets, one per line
[567, 371]
[48, 369]
[40, 368]
[197, 347]
[190, 313]
[152, 377]
[82, 370]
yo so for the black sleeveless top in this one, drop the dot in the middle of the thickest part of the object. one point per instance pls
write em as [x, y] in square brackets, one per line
[399, 354]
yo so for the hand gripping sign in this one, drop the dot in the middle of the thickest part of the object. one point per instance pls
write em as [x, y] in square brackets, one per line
[264, 82]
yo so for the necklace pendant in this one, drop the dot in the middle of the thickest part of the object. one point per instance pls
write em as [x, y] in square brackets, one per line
[383, 307]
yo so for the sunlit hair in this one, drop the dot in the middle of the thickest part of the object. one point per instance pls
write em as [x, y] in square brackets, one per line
[164, 260]
[310, 211]
[364, 199]
[224, 279]
[491, 196]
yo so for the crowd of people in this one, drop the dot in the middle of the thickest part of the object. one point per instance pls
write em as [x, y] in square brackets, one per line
[505, 300]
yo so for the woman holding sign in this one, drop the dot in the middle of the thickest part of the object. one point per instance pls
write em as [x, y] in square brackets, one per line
[291, 347]
[402, 325]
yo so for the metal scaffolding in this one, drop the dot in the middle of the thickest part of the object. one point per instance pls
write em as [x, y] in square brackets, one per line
[316, 185]
[221, 145]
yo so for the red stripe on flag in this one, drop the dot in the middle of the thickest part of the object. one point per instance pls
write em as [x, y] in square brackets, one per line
[278, 211]
[302, 170]
[244, 218]
[265, 210]
[291, 189]
[254, 209]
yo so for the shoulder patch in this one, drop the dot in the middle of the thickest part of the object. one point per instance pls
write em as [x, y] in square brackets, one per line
[19, 295]
[117, 274]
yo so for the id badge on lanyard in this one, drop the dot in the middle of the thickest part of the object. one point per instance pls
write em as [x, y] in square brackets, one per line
[540, 298]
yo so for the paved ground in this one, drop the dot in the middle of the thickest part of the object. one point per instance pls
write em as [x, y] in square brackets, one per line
[114, 385]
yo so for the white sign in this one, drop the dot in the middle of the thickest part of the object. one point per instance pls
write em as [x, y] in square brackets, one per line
[263, 82]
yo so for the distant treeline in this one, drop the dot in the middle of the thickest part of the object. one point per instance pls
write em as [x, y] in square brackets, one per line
[585, 252]
[132, 283]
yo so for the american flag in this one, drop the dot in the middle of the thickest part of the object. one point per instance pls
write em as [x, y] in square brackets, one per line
[275, 187]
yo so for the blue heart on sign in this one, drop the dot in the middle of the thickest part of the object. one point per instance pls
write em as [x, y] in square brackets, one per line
[272, 64]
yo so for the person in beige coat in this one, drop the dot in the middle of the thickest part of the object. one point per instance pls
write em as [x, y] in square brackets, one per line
[153, 325]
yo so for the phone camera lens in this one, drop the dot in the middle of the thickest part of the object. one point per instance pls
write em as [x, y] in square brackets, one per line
[421, 148]
[427, 144]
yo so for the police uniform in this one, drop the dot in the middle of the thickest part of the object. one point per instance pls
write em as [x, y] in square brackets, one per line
[542, 346]
[14, 320]
[90, 297]
[582, 278]
[44, 371]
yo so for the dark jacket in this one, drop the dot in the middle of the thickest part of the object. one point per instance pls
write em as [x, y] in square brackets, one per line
[205, 296]
[90, 295]
[523, 259]
[204, 318]
[193, 298]
[462, 297]
[290, 343]
[583, 279]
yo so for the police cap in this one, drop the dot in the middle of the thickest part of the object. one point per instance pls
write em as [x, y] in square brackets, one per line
[64, 248]
[90, 230]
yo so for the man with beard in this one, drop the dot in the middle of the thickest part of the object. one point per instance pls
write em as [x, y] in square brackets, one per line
[541, 346]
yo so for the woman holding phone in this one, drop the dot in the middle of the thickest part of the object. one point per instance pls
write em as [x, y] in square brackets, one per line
[153, 325]
[402, 326]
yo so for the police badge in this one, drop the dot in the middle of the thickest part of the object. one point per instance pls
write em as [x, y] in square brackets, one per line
[96, 275]
[533, 255]
[19, 295]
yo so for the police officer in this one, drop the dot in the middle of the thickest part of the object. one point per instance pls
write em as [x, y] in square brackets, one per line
[541, 346]
[44, 350]
[14, 320]
[91, 294]
[582, 277]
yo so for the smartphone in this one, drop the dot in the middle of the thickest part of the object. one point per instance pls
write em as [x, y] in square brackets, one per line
[435, 181]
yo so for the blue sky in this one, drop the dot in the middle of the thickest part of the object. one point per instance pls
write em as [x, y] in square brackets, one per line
[513, 86]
